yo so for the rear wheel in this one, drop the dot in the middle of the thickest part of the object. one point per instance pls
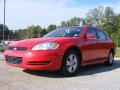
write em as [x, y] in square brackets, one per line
[110, 60]
[71, 63]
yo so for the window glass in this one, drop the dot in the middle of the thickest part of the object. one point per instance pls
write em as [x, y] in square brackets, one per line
[65, 32]
[92, 31]
[101, 35]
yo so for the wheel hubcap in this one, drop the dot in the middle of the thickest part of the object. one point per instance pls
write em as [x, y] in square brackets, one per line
[72, 63]
[111, 58]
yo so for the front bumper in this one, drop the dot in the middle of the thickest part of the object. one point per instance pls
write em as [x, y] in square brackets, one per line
[34, 60]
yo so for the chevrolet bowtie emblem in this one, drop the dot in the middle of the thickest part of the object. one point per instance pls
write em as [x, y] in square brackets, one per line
[14, 48]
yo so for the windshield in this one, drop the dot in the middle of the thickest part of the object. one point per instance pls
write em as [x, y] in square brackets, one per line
[65, 32]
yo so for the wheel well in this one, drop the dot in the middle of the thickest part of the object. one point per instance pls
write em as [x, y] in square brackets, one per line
[112, 50]
[76, 49]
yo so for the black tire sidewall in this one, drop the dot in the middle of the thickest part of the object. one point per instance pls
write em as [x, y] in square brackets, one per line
[109, 59]
[108, 62]
[64, 65]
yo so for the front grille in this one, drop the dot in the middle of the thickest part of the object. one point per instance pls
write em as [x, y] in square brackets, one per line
[14, 60]
[17, 48]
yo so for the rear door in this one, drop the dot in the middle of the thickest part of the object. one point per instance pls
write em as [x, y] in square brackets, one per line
[103, 45]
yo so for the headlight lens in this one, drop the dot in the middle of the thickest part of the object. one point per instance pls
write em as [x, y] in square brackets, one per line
[46, 46]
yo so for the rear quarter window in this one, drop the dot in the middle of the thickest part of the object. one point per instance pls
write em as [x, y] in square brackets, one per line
[101, 35]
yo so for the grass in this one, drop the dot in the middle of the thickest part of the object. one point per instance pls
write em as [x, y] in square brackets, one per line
[118, 52]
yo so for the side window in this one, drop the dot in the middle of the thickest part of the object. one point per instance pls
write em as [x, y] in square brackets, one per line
[108, 38]
[92, 31]
[101, 35]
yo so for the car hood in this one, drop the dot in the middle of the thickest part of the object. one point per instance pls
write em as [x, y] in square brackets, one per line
[31, 42]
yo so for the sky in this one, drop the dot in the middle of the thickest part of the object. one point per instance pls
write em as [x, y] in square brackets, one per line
[23, 13]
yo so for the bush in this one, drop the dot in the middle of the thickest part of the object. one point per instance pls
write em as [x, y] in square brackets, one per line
[1, 50]
[119, 42]
[118, 52]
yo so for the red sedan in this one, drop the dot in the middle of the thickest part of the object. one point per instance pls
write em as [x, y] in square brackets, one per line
[64, 49]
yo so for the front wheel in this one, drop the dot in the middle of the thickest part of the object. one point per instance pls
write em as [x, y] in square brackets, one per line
[110, 60]
[71, 63]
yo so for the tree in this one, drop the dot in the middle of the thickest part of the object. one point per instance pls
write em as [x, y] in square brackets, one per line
[63, 24]
[110, 25]
[51, 27]
[117, 33]
[6, 32]
[43, 32]
[95, 17]
[75, 21]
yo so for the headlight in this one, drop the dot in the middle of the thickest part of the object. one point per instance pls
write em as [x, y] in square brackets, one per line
[46, 46]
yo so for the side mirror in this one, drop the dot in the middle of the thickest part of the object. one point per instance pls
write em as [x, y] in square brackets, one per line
[89, 36]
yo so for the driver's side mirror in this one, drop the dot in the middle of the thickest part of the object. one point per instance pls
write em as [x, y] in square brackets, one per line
[89, 36]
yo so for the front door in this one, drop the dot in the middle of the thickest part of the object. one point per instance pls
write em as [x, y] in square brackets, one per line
[90, 48]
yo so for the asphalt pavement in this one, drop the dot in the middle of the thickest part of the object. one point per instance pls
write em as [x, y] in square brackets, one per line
[93, 77]
[1, 56]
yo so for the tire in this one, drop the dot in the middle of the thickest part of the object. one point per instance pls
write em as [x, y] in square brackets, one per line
[110, 60]
[71, 63]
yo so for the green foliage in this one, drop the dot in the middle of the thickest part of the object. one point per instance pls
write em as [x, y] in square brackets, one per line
[6, 32]
[72, 22]
[1, 49]
[43, 32]
[119, 42]
[51, 27]
[118, 52]
[33, 31]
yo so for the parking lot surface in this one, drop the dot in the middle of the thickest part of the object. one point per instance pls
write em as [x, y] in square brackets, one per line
[94, 77]
[1, 56]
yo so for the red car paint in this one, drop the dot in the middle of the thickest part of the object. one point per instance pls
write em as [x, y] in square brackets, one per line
[92, 50]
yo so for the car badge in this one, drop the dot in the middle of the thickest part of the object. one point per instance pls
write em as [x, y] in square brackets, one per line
[14, 48]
